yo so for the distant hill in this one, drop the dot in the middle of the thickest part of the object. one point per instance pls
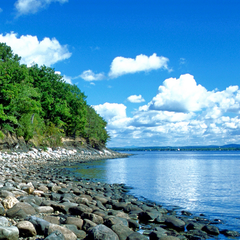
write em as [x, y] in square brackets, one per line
[228, 147]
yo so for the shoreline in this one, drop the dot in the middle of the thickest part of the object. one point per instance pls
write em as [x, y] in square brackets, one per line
[38, 200]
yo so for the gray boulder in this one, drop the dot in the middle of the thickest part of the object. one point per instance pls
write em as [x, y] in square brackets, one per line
[136, 236]
[20, 210]
[9, 233]
[174, 223]
[57, 235]
[212, 230]
[122, 231]
[40, 224]
[102, 232]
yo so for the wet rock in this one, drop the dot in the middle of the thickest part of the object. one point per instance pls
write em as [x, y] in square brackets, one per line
[136, 236]
[194, 226]
[150, 216]
[212, 230]
[102, 232]
[174, 223]
[230, 233]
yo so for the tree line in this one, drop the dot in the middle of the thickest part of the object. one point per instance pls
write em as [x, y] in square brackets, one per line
[37, 102]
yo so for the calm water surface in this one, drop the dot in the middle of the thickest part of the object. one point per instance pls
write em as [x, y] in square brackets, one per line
[199, 182]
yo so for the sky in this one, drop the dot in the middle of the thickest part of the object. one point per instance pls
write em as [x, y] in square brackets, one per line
[160, 72]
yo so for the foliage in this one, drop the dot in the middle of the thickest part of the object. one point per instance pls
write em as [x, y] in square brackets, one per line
[36, 101]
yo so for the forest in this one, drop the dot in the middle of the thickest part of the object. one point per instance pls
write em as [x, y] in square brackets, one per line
[37, 102]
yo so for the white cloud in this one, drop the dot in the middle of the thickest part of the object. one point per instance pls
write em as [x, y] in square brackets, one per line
[89, 76]
[136, 99]
[121, 65]
[111, 111]
[32, 6]
[182, 113]
[46, 52]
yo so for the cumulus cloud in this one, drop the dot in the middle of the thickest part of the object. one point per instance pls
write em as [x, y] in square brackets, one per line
[121, 65]
[89, 76]
[182, 113]
[136, 99]
[24, 7]
[32, 51]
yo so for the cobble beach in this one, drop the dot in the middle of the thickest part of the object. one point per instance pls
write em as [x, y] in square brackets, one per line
[39, 200]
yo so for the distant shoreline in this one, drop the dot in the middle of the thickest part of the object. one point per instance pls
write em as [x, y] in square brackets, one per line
[234, 147]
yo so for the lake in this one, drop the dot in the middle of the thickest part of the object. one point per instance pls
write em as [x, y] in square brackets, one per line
[199, 182]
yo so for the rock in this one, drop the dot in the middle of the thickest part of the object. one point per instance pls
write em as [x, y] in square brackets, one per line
[156, 235]
[20, 210]
[9, 233]
[194, 226]
[174, 223]
[168, 238]
[75, 221]
[112, 220]
[133, 224]
[212, 230]
[93, 217]
[79, 210]
[88, 224]
[9, 202]
[2, 210]
[3, 222]
[122, 231]
[52, 219]
[26, 229]
[68, 234]
[102, 232]
[136, 236]
[196, 234]
[150, 216]
[79, 233]
[57, 235]
[44, 209]
[230, 233]
[40, 224]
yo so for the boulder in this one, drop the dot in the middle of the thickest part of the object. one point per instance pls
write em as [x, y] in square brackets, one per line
[174, 223]
[9, 233]
[9, 202]
[26, 229]
[57, 235]
[68, 234]
[212, 230]
[20, 210]
[102, 232]
[78, 222]
[136, 236]
[122, 231]
[40, 224]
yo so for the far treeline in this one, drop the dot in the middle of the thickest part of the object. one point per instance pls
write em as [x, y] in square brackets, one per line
[37, 102]
[230, 147]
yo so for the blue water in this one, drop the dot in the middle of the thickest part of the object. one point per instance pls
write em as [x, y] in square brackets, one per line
[199, 182]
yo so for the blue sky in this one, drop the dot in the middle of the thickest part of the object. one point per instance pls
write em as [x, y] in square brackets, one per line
[162, 73]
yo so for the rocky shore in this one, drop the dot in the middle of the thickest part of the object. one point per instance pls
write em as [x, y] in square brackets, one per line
[39, 200]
